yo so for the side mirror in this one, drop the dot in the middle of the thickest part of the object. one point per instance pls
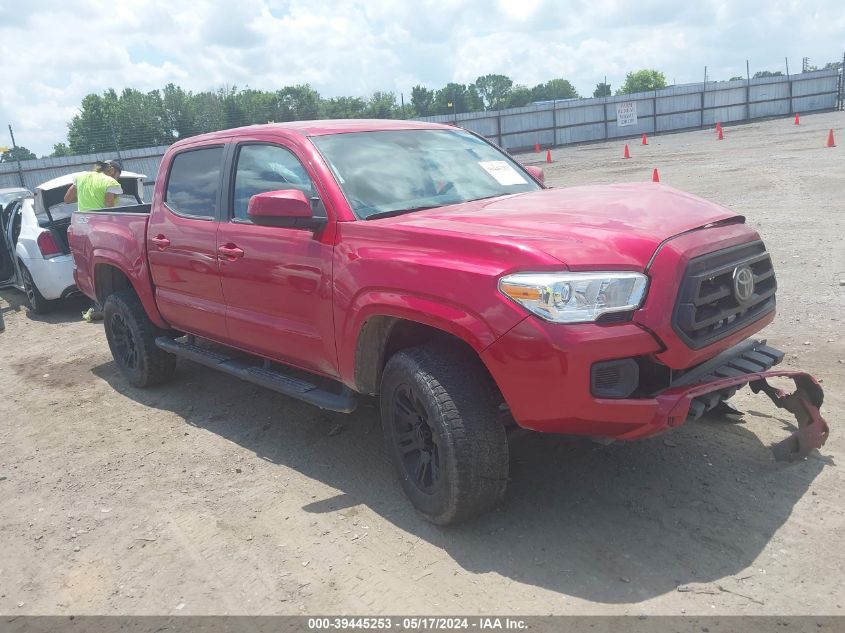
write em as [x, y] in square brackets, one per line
[288, 207]
[537, 172]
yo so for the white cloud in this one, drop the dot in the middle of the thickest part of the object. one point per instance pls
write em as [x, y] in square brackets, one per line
[53, 53]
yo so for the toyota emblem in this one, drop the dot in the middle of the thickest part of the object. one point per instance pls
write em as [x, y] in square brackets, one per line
[743, 283]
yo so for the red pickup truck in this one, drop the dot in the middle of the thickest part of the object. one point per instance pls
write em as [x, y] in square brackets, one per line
[421, 264]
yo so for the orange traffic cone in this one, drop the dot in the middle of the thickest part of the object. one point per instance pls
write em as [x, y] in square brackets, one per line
[797, 119]
[627, 153]
[537, 147]
[830, 142]
[548, 155]
[721, 135]
[645, 140]
[655, 177]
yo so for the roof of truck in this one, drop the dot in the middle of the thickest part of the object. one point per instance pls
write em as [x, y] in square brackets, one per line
[321, 128]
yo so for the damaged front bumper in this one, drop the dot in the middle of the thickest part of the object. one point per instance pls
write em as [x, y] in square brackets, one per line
[804, 403]
[709, 385]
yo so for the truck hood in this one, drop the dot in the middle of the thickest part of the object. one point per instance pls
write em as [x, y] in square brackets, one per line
[612, 226]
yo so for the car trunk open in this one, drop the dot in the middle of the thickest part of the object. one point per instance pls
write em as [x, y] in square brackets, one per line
[54, 213]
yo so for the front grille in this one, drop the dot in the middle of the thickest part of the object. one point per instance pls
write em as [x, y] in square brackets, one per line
[708, 308]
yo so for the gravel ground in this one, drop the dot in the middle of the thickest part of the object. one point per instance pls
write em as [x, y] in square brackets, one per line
[209, 495]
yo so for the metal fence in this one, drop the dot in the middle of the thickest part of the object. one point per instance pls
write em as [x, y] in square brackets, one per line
[683, 107]
[31, 173]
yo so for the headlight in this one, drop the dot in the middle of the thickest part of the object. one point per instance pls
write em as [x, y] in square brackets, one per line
[575, 297]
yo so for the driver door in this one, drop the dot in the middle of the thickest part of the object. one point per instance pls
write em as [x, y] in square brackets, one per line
[276, 280]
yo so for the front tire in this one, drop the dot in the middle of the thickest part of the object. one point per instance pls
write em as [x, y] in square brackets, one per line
[37, 302]
[440, 417]
[131, 337]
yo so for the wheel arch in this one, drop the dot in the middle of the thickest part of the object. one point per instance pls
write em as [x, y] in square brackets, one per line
[110, 277]
[382, 336]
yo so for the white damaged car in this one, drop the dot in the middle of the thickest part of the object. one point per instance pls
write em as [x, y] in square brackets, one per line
[34, 254]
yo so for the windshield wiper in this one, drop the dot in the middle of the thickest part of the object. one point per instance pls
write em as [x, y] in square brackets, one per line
[495, 195]
[392, 212]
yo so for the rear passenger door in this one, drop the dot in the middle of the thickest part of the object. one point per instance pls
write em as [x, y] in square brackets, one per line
[278, 288]
[182, 243]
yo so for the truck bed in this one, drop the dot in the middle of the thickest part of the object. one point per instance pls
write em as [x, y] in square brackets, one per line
[111, 237]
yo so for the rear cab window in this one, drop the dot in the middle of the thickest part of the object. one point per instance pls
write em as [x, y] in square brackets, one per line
[194, 181]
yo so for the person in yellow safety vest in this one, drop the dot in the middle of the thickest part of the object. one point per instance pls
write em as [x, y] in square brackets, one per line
[96, 189]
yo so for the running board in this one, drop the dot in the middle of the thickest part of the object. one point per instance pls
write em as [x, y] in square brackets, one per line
[343, 402]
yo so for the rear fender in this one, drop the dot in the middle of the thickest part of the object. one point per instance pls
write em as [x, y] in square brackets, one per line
[138, 274]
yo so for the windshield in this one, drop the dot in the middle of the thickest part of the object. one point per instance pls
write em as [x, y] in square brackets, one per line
[395, 171]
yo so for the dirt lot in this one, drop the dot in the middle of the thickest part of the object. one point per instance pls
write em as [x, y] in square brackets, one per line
[209, 495]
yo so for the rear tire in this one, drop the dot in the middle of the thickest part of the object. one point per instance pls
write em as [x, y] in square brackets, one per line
[441, 422]
[131, 337]
[37, 302]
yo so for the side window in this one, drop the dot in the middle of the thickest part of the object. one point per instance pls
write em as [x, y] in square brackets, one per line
[193, 182]
[263, 168]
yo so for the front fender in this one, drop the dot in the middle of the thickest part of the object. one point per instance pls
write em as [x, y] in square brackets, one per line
[456, 320]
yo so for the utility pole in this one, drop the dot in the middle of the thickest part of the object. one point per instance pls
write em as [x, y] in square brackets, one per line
[17, 160]
[842, 84]
[747, 91]
[788, 83]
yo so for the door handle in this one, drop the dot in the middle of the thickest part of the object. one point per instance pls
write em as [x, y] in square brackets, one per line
[160, 241]
[230, 251]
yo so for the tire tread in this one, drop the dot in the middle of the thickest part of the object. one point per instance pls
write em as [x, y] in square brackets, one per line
[157, 365]
[467, 401]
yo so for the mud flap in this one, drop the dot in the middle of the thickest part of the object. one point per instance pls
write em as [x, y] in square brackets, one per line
[804, 404]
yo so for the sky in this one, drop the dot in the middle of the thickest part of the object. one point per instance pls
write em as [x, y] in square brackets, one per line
[54, 52]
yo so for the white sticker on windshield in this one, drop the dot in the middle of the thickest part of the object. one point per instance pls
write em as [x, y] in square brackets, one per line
[502, 172]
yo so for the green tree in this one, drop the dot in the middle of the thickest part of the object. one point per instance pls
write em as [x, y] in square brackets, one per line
[91, 130]
[59, 150]
[642, 81]
[422, 99]
[602, 90]
[381, 105]
[140, 120]
[493, 90]
[208, 112]
[302, 101]
[180, 113]
[767, 73]
[16, 153]
[554, 89]
[736, 77]
[519, 96]
[458, 98]
[344, 108]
